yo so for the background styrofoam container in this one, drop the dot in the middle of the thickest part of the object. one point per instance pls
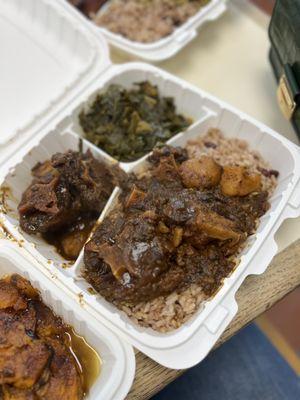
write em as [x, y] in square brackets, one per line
[189, 344]
[118, 361]
[169, 46]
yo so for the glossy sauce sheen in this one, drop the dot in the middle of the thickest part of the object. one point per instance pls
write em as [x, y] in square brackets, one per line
[88, 360]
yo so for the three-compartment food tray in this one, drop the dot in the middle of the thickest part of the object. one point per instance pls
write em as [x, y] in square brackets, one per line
[55, 128]
[170, 45]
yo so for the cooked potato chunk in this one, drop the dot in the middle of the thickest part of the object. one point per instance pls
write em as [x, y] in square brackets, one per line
[203, 173]
[237, 181]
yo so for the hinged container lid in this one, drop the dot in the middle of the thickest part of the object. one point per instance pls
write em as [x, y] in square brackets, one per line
[48, 56]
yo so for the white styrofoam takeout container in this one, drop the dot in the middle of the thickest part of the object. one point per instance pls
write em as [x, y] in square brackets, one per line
[170, 45]
[189, 344]
[117, 357]
[46, 61]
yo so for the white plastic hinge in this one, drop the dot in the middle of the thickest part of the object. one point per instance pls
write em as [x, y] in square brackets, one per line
[215, 320]
[294, 200]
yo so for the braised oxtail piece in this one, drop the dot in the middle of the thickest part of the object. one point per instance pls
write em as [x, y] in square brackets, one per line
[65, 198]
[178, 224]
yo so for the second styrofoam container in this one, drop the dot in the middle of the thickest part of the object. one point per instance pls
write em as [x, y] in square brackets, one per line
[117, 358]
[169, 46]
[189, 344]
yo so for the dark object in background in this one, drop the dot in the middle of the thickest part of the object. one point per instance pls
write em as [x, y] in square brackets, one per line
[88, 7]
[285, 57]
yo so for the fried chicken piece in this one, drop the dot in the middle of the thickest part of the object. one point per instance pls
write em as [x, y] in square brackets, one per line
[11, 393]
[35, 359]
[17, 328]
[203, 173]
[64, 380]
[48, 324]
[23, 285]
[237, 181]
[23, 366]
[10, 297]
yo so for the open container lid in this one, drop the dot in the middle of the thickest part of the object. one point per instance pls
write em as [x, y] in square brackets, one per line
[48, 56]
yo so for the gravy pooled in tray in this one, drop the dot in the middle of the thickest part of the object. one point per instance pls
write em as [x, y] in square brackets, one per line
[147, 21]
[36, 358]
[127, 124]
[176, 230]
[65, 198]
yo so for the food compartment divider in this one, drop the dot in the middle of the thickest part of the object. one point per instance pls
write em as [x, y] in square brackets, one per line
[174, 349]
[118, 361]
[170, 45]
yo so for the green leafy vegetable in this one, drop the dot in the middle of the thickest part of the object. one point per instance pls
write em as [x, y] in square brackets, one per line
[127, 124]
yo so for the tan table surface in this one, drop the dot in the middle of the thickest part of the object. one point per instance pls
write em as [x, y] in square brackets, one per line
[230, 60]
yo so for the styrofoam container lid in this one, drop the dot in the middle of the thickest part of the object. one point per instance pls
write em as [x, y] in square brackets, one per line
[47, 58]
